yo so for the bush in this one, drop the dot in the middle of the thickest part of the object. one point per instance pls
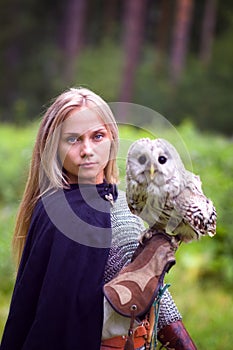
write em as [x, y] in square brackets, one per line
[15, 152]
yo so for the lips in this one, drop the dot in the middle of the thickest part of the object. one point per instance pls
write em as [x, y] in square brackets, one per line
[87, 165]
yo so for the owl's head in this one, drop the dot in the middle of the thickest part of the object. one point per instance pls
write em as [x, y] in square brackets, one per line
[154, 161]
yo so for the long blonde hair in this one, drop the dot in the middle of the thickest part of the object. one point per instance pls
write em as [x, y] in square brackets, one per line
[45, 171]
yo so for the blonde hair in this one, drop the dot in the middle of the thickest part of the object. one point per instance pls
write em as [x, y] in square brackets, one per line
[45, 173]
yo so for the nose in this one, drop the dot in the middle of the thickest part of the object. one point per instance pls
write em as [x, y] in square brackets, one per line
[86, 149]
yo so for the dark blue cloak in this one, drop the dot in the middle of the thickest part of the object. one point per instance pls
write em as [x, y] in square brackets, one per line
[57, 303]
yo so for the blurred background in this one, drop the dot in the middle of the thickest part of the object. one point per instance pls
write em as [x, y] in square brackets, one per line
[173, 56]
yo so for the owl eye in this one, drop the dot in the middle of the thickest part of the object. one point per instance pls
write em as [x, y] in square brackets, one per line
[162, 159]
[142, 159]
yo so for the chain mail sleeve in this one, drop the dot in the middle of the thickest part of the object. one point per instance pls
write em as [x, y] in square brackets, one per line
[126, 229]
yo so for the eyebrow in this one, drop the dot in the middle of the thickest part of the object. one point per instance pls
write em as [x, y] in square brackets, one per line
[92, 130]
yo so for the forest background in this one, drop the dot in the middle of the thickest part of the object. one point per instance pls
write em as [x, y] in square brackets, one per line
[174, 57]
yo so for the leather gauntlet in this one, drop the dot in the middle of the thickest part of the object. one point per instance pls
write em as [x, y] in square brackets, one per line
[175, 337]
[134, 289]
[132, 292]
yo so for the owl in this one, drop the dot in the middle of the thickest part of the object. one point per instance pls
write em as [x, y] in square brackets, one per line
[164, 194]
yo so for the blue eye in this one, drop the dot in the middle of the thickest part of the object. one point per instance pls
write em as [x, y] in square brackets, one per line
[72, 139]
[98, 136]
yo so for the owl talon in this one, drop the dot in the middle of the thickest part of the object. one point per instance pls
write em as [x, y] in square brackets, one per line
[147, 234]
[176, 242]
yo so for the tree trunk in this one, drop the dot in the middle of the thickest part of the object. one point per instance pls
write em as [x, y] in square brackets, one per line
[133, 28]
[73, 34]
[181, 34]
[110, 17]
[208, 28]
[163, 32]
[11, 57]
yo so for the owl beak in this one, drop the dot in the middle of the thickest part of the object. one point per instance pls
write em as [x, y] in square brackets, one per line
[152, 172]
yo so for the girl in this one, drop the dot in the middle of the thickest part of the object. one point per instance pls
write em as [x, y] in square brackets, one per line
[73, 233]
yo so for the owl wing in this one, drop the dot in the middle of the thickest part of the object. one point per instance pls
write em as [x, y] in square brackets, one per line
[197, 210]
[136, 196]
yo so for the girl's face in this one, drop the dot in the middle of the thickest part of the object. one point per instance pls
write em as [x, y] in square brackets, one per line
[84, 147]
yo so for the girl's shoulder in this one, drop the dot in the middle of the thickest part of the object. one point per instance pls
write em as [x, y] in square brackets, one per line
[121, 198]
[45, 202]
[125, 225]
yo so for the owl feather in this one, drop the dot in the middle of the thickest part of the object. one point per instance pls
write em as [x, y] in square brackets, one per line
[164, 194]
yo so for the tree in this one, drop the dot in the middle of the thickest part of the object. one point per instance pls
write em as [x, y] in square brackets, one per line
[208, 28]
[110, 16]
[180, 40]
[133, 29]
[72, 34]
[163, 31]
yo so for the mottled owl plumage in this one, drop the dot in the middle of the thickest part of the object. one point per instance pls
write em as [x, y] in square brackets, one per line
[166, 195]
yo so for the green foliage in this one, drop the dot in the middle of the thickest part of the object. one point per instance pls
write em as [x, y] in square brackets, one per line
[7, 216]
[204, 93]
[206, 308]
[98, 69]
[203, 270]
[212, 160]
[15, 153]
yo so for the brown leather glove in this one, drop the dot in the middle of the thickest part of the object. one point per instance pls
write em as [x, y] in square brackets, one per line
[175, 337]
[134, 289]
[132, 292]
